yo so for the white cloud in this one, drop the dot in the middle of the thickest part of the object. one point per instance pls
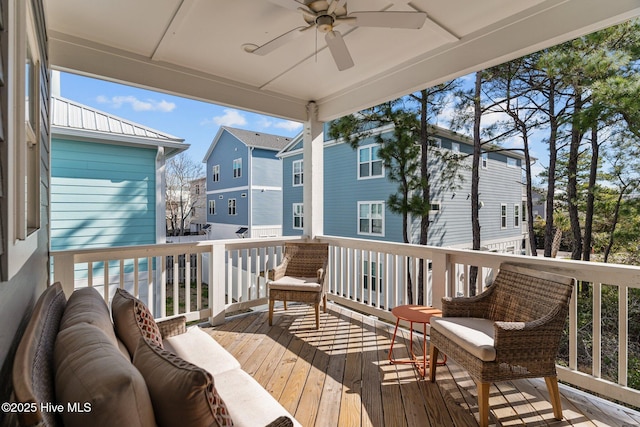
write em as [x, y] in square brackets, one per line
[137, 104]
[288, 125]
[230, 118]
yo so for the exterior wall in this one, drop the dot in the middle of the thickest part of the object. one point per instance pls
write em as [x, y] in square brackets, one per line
[199, 194]
[450, 226]
[343, 190]
[102, 195]
[260, 183]
[19, 292]
[266, 169]
[290, 194]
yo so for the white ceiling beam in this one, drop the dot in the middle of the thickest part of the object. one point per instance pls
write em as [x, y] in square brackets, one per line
[81, 56]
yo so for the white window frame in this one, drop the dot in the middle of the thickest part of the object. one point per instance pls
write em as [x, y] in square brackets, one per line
[503, 216]
[516, 215]
[435, 208]
[297, 171]
[298, 213]
[24, 175]
[237, 167]
[212, 207]
[370, 162]
[232, 208]
[215, 173]
[511, 162]
[484, 160]
[370, 219]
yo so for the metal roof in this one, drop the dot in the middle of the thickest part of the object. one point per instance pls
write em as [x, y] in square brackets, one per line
[71, 114]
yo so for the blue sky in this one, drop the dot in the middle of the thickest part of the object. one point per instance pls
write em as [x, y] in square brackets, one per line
[194, 121]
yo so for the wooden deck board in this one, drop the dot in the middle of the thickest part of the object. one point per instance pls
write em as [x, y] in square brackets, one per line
[339, 375]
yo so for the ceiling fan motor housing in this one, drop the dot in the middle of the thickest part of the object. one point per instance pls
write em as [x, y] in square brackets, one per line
[324, 23]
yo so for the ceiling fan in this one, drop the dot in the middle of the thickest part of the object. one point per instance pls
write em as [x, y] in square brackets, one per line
[324, 16]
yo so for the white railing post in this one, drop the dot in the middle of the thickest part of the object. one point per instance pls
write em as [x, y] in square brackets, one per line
[440, 265]
[217, 284]
[63, 272]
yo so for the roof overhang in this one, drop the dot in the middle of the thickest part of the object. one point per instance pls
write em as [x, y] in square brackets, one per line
[193, 48]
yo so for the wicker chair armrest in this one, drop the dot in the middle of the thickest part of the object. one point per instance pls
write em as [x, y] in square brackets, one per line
[280, 270]
[475, 306]
[542, 333]
[171, 327]
[320, 275]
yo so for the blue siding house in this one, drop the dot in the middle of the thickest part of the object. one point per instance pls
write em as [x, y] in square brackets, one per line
[356, 190]
[107, 179]
[244, 184]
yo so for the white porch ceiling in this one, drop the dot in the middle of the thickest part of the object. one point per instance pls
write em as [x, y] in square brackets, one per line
[194, 48]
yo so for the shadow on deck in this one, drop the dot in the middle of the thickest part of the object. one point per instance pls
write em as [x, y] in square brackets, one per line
[340, 375]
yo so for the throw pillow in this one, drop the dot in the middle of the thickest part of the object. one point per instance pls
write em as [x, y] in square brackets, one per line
[132, 320]
[182, 393]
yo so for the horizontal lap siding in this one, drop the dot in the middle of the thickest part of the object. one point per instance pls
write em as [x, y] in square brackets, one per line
[102, 195]
[291, 195]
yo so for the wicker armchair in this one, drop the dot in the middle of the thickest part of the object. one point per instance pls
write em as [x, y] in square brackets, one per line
[300, 277]
[510, 331]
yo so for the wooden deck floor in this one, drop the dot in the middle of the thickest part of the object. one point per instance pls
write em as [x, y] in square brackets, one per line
[339, 375]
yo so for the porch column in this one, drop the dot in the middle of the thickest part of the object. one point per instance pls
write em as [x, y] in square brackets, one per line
[313, 168]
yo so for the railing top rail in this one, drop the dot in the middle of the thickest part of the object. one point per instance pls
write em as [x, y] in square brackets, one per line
[615, 274]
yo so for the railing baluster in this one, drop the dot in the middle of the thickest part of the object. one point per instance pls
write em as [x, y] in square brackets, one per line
[623, 335]
[596, 351]
[121, 281]
[187, 282]
[136, 277]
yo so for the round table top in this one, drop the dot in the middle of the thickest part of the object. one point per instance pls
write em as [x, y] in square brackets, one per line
[415, 313]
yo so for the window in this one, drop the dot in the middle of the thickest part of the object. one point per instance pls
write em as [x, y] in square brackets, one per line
[373, 275]
[23, 73]
[434, 209]
[298, 177]
[237, 168]
[436, 142]
[524, 211]
[503, 216]
[485, 160]
[511, 162]
[455, 147]
[27, 165]
[232, 206]
[369, 164]
[197, 189]
[215, 173]
[298, 216]
[371, 218]
[516, 215]
[212, 207]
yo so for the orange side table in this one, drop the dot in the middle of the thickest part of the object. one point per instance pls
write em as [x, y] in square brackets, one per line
[414, 314]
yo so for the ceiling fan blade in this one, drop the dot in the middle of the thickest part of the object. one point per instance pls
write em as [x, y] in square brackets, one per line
[335, 4]
[411, 20]
[279, 41]
[339, 50]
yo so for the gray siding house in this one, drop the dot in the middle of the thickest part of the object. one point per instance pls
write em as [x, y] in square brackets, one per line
[244, 184]
[356, 190]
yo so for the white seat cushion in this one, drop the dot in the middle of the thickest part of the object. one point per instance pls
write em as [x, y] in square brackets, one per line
[248, 403]
[473, 334]
[198, 347]
[288, 283]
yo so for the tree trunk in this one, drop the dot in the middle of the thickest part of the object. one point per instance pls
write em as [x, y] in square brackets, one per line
[529, 190]
[616, 214]
[591, 196]
[475, 181]
[424, 186]
[551, 184]
[572, 185]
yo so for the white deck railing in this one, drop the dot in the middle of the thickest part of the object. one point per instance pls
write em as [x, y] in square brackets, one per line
[369, 276]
